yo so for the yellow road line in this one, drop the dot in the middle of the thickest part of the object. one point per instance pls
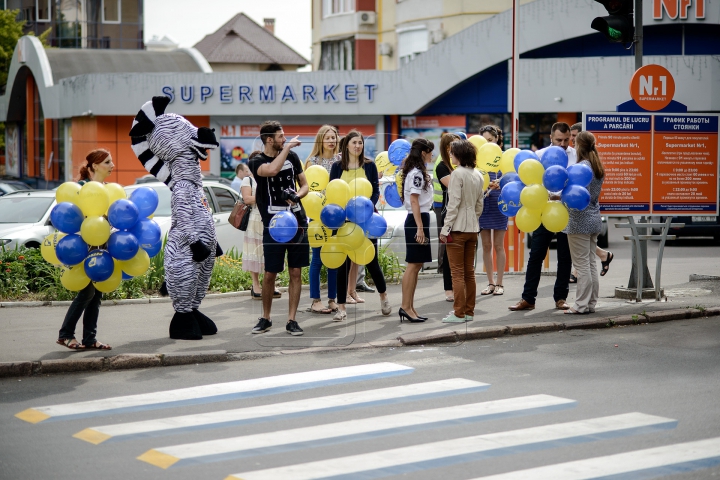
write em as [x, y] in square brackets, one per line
[159, 459]
[92, 436]
[32, 416]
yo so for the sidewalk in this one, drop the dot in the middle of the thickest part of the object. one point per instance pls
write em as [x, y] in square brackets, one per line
[138, 333]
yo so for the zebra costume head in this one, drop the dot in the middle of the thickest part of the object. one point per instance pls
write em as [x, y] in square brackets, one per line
[168, 145]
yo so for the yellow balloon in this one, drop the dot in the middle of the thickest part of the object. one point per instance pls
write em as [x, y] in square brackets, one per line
[47, 249]
[338, 192]
[94, 199]
[313, 203]
[317, 178]
[478, 141]
[382, 162]
[527, 219]
[318, 234]
[364, 254]
[360, 187]
[115, 192]
[75, 279]
[507, 164]
[534, 197]
[531, 171]
[486, 179]
[111, 283]
[136, 265]
[488, 157]
[555, 216]
[68, 192]
[332, 255]
[95, 230]
[350, 236]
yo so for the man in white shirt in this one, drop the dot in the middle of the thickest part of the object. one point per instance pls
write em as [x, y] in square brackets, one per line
[560, 137]
[241, 171]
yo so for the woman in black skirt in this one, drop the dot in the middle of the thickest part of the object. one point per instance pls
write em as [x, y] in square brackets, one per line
[417, 196]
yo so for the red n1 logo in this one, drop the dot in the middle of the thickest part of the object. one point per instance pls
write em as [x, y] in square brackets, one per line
[677, 8]
[652, 87]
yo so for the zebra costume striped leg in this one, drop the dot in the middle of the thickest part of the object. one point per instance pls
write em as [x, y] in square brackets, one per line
[169, 146]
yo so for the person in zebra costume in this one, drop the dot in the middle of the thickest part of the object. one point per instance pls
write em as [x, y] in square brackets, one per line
[169, 147]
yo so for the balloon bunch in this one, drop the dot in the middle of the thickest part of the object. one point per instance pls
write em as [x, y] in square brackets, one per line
[342, 217]
[528, 182]
[103, 236]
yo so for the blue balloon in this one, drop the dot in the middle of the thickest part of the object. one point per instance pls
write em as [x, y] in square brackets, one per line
[554, 156]
[392, 197]
[555, 178]
[99, 265]
[576, 197]
[376, 226]
[123, 214]
[398, 150]
[147, 232]
[283, 226]
[523, 155]
[359, 210]
[71, 250]
[580, 174]
[145, 199]
[509, 177]
[67, 217]
[154, 250]
[332, 216]
[123, 245]
[506, 208]
[461, 135]
[125, 276]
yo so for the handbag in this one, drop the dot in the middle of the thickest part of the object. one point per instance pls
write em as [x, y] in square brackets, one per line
[240, 215]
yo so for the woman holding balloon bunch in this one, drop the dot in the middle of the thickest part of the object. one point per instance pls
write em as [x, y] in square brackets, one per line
[98, 167]
[351, 166]
[583, 229]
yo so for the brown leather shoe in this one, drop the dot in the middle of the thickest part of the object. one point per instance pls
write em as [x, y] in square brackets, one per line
[562, 305]
[522, 305]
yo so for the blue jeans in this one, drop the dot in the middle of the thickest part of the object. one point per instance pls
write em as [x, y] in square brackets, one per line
[315, 265]
[538, 250]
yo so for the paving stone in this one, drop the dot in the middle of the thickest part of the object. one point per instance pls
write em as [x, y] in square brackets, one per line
[587, 324]
[134, 360]
[186, 358]
[527, 328]
[72, 365]
[667, 315]
[15, 369]
[478, 333]
[434, 336]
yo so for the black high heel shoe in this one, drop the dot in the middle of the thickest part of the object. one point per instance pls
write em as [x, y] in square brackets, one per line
[404, 314]
[422, 318]
[255, 296]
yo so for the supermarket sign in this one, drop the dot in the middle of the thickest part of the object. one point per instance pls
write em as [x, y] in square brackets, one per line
[657, 163]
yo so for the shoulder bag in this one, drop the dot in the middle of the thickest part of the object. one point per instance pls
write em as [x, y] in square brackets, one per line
[240, 215]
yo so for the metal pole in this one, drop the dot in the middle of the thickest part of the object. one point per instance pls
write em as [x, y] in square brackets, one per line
[638, 34]
[514, 86]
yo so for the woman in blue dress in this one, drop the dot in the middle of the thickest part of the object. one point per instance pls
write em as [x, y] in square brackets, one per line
[493, 224]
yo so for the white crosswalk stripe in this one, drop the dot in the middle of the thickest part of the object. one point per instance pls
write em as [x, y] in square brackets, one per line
[651, 462]
[215, 392]
[315, 405]
[436, 454]
[271, 442]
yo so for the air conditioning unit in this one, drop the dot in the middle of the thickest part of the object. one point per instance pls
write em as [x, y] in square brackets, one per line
[366, 18]
[385, 49]
[437, 36]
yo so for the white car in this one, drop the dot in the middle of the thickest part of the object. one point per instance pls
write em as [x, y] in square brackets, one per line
[221, 199]
[25, 218]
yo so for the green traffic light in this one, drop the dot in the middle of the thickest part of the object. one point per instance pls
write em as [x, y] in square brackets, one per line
[614, 34]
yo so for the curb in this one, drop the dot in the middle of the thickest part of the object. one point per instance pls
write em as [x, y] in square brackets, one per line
[442, 335]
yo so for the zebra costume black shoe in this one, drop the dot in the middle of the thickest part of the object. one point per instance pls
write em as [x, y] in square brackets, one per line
[170, 147]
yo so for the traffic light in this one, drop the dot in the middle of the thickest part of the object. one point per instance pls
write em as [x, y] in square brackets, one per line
[618, 26]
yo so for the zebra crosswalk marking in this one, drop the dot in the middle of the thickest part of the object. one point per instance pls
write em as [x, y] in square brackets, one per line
[214, 392]
[402, 393]
[447, 452]
[666, 460]
[333, 433]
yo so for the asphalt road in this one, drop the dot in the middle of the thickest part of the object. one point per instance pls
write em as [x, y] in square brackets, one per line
[663, 379]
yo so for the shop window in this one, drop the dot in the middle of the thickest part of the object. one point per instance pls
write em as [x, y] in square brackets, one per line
[338, 55]
[111, 11]
[43, 10]
[334, 7]
[412, 41]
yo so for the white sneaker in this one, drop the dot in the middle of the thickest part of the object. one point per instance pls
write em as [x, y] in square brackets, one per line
[340, 316]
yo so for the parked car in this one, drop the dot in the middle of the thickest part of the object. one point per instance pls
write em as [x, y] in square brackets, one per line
[152, 179]
[221, 199]
[695, 226]
[25, 218]
[9, 186]
[394, 238]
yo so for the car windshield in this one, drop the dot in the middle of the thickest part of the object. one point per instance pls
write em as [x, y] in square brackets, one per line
[23, 209]
[163, 208]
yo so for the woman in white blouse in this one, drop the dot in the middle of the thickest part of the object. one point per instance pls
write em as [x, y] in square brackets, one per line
[417, 196]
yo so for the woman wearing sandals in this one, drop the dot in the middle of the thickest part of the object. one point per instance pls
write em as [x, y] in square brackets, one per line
[324, 153]
[493, 224]
[352, 165]
[583, 229]
[87, 302]
[417, 198]
[252, 259]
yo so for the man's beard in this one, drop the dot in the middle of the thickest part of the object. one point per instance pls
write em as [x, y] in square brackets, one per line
[277, 146]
